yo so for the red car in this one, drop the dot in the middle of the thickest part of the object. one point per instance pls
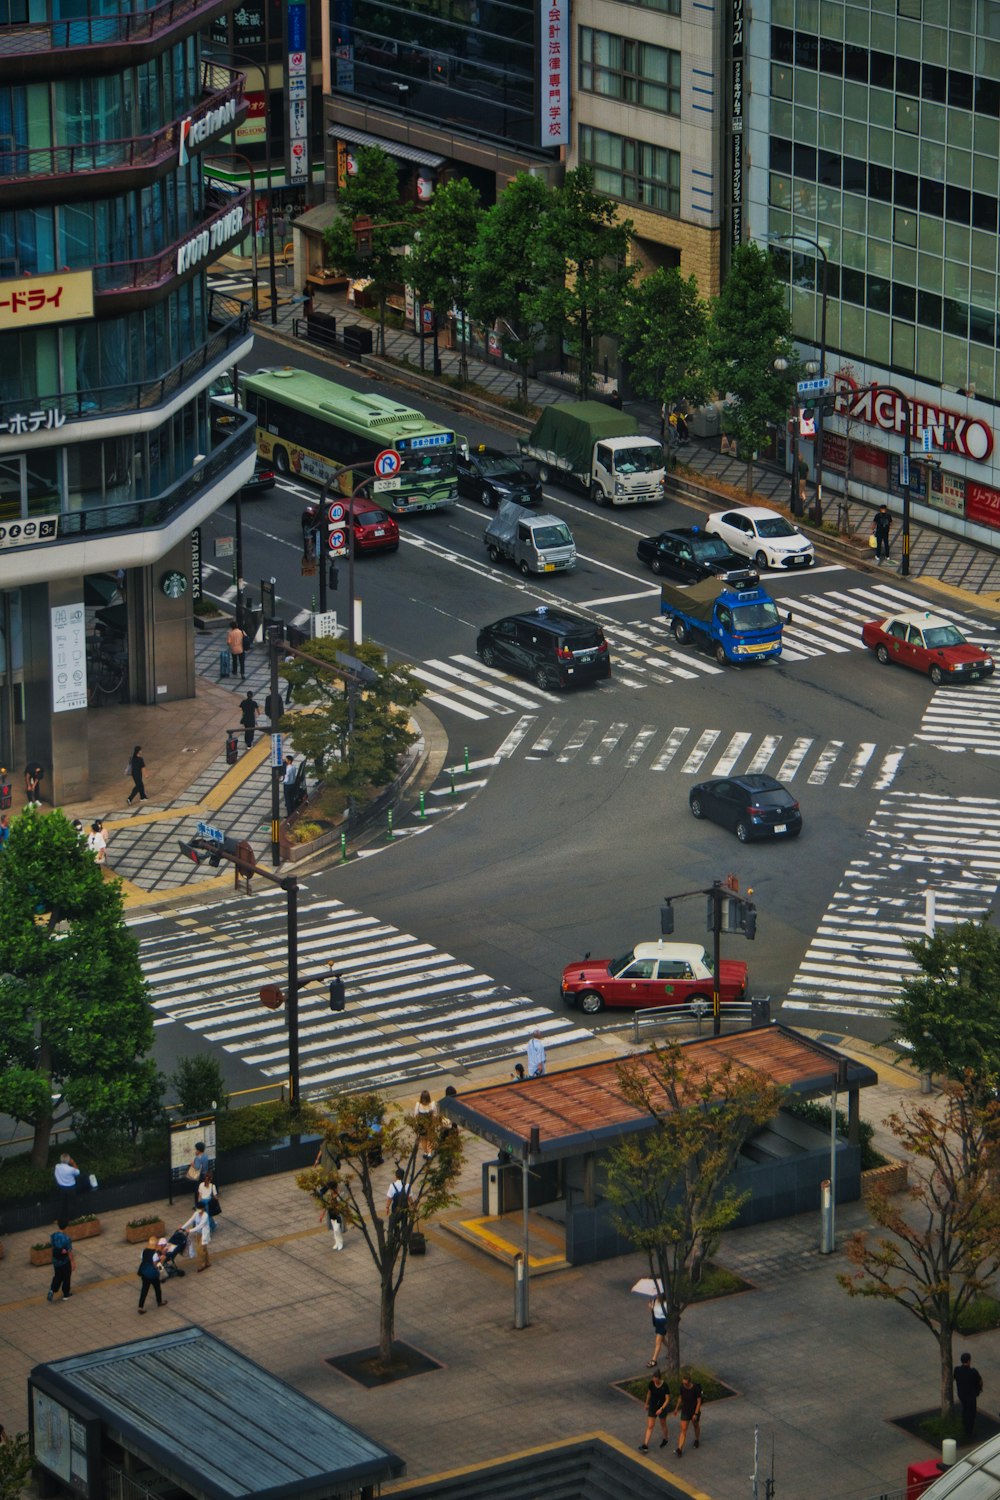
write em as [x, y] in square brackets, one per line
[374, 529]
[916, 638]
[651, 974]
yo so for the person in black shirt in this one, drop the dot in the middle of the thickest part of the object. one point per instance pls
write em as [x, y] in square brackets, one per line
[689, 1406]
[657, 1407]
[968, 1388]
[248, 717]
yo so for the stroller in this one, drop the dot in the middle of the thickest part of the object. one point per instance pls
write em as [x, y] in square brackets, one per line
[171, 1251]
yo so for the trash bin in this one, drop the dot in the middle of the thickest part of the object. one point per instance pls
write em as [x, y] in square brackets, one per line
[232, 748]
[357, 339]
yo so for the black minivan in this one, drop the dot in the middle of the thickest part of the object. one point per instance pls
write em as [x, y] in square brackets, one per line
[551, 646]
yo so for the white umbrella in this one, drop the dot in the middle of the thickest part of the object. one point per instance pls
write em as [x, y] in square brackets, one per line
[647, 1287]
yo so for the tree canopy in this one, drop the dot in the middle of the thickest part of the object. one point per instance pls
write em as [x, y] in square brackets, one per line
[372, 193]
[504, 271]
[440, 265]
[947, 1014]
[664, 328]
[75, 1022]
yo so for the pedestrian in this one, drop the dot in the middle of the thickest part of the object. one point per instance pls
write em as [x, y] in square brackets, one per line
[398, 1194]
[66, 1174]
[333, 1215]
[33, 773]
[881, 526]
[97, 843]
[4, 830]
[290, 784]
[536, 1056]
[968, 1389]
[63, 1264]
[236, 641]
[663, 420]
[249, 712]
[201, 1229]
[657, 1409]
[689, 1406]
[208, 1199]
[682, 428]
[658, 1313]
[197, 1169]
[274, 706]
[425, 1115]
[518, 1074]
[136, 766]
[149, 1274]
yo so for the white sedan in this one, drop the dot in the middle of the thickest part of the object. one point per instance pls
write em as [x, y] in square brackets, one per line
[765, 535]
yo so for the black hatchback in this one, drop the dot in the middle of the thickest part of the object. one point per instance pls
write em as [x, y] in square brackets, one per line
[689, 554]
[491, 477]
[550, 646]
[752, 807]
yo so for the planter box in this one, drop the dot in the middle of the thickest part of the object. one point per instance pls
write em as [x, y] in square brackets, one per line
[138, 1234]
[212, 622]
[892, 1178]
[41, 1257]
[85, 1231]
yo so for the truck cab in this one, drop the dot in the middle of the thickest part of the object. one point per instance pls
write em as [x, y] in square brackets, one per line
[627, 469]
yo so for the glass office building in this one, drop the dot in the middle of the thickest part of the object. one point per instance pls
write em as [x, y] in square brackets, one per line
[875, 140]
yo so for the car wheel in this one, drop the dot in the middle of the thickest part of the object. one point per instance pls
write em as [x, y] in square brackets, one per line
[742, 832]
[597, 495]
[760, 558]
[936, 676]
[699, 1006]
[696, 808]
[488, 656]
[487, 499]
[591, 1003]
[541, 678]
[543, 473]
[656, 565]
[525, 570]
[882, 655]
[281, 461]
[495, 554]
[680, 632]
[720, 655]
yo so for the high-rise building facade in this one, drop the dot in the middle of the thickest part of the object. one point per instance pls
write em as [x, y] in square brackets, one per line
[111, 451]
[875, 142]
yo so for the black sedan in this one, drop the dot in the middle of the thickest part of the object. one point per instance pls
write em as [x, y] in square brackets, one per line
[689, 554]
[490, 476]
[263, 479]
[752, 807]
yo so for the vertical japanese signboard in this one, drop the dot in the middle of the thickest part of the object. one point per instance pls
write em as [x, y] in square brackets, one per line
[736, 105]
[297, 91]
[553, 87]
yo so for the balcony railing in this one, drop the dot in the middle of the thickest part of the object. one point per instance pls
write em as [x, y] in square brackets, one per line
[31, 163]
[205, 243]
[122, 28]
[144, 395]
[145, 515]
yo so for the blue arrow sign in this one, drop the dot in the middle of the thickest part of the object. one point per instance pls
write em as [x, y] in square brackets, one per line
[813, 387]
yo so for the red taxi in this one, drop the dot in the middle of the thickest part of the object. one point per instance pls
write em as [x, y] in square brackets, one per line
[927, 643]
[374, 529]
[651, 974]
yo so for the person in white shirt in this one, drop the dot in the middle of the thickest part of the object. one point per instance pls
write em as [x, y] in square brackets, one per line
[66, 1174]
[397, 1195]
[97, 842]
[536, 1056]
[425, 1113]
[200, 1226]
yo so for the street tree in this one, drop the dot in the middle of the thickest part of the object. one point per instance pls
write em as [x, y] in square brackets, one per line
[672, 1184]
[940, 1246]
[351, 735]
[366, 1140]
[504, 273]
[440, 266]
[75, 1022]
[664, 326]
[947, 1013]
[582, 257]
[16, 1464]
[750, 328]
[372, 193]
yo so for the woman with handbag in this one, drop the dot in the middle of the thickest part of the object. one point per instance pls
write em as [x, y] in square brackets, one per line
[208, 1198]
[196, 1171]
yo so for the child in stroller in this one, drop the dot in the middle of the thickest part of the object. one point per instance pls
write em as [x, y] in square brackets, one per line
[170, 1252]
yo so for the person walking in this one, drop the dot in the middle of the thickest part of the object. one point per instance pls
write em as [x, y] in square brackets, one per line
[289, 784]
[968, 1389]
[196, 1171]
[136, 767]
[689, 1407]
[208, 1199]
[4, 830]
[63, 1264]
[397, 1195]
[66, 1175]
[33, 773]
[536, 1056]
[881, 527]
[236, 641]
[274, 706]
[333, 1215]
[658, 1313]
[657, 1409]
[200, 1227]
[425, 1115]
[97, 843]
[149, 1274]
[249, 712]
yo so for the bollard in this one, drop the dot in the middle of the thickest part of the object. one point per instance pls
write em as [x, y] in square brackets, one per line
[520, 1291]
[926, 1085]
[389, 833]
[343, 848]
[232, 747]
[466, 748]
[949, 1452]
[826, 1245]
[451, 773]
[421, 813]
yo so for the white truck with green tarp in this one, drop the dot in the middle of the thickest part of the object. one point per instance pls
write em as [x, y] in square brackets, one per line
[599, 449]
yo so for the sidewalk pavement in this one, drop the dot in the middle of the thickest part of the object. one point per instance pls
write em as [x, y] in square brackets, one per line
[818, 1373]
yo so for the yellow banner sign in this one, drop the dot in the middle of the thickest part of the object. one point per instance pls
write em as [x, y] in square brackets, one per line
[56, 298]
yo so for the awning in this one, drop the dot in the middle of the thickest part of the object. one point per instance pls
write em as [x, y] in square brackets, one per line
[391, 148]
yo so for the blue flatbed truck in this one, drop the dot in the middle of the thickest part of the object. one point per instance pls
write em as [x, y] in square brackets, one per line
[737, 620]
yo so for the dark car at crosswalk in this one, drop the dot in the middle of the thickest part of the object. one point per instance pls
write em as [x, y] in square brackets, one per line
[688, 555]
[752, 807]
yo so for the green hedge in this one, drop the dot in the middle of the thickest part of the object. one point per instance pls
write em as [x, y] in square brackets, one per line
[819, 1114]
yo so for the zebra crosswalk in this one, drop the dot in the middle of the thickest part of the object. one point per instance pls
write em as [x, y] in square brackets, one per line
[412, 1011]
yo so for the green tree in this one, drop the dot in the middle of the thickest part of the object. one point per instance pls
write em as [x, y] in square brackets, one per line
[671, 1184]
[363, 1126]
[750, 327]
[75, 1022]
[353, 737]
[199, 1085]
[504, 274]
[440, 266]
[372, 193]
[582, 257]
[941, 1246]
[664, 326]
[16, 1464]
[947, 1014]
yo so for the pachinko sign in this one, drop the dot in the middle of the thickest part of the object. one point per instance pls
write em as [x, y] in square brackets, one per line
[877, 406]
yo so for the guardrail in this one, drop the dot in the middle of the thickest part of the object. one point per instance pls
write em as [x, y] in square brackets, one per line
[751, 1013]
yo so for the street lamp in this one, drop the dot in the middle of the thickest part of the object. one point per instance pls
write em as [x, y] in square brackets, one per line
[254, 303]
[249, 62]
[808, 240]
[781, 364]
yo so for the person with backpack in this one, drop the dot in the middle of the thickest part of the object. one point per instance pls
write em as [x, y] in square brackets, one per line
[398, 1194]
[149, 1274]
[63, 1264]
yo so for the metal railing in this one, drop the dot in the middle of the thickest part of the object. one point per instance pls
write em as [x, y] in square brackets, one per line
[117, 277]
[101, 31]
[697, 1013]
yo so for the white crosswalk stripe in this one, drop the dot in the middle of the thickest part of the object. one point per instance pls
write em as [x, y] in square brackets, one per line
[917, 845]
[412, 1011]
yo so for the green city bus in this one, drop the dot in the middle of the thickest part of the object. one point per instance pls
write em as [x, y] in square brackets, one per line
[311, 427]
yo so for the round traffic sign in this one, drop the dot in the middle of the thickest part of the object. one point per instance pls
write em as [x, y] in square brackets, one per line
[388, 463]
[336, 510]
[337, 540]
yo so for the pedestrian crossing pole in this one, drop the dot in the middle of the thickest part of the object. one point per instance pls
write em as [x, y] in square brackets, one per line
[291, 889]
[274, 633]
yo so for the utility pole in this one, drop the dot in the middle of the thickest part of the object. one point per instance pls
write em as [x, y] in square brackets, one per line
[274, 637]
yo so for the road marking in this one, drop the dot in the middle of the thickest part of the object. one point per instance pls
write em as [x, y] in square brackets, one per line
[671, 746]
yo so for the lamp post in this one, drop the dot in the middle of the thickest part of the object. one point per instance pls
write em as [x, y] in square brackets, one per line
[249, 62]
[808, 240]
[254, 302]
[782, 364]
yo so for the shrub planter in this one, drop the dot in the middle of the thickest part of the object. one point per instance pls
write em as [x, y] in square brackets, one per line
[137, 1231]
[888, 1179]
[40, 1255]
[84, 1229]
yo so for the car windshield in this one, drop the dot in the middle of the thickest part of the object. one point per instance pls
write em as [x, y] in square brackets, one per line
[771, 526]
[552, 536]
[944, 635]
[370, 518]
[639, 460]
[708, 547]
[502, 468]
[618, 964]
[760, 616]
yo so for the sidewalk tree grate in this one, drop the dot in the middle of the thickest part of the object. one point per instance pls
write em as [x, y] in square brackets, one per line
[363, 1365]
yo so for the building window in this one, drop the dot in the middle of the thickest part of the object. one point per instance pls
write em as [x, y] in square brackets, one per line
[635, 72]
[666, 7]
[632, 170]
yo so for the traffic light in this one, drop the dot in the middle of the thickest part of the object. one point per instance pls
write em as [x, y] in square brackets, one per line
[749, 920]
[666, 919]
[332, 577]
[337, 993]
[193, 850]
[216, 851]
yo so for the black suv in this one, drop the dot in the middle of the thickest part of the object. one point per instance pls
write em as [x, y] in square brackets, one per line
[548, 645]
[689, 554]
[489, 476]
